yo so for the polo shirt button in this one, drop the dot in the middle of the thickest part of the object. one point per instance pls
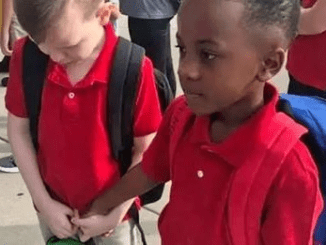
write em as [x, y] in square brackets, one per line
[71, 95]
[200, 174]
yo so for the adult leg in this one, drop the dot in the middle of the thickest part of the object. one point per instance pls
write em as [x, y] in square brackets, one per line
[154, 36]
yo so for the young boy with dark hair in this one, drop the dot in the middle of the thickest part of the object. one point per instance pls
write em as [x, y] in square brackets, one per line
[240, 172]
[74, 163]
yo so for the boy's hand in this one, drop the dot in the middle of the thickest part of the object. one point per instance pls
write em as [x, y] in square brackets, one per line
[5, 43]
[57, 217]
[98, 207]
[97, 225]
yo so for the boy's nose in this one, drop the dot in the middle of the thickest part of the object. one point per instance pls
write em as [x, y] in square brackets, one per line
[189, 70]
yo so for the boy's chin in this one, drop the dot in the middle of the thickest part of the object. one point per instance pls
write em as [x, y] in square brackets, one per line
[200, 111]
[203, 111]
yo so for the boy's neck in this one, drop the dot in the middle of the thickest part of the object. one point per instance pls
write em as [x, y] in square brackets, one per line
[225, 122]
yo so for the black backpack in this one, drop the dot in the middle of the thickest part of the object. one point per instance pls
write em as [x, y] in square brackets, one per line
[121, 100]
[176, 4]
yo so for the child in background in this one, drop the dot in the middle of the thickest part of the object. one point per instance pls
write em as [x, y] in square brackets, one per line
[306, 66]
[10, 32]
[240, 172]
[306, 57]
[74, 164]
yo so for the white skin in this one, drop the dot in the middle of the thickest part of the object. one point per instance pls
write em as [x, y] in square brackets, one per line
[7, 13]
[74, 43]
[313, 20]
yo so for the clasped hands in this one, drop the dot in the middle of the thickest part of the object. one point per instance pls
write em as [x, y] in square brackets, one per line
[65, 222]
[97, 222]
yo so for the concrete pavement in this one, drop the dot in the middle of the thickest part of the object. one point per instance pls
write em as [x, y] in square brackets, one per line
[18, 222]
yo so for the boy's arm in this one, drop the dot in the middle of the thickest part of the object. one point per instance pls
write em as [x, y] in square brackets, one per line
[132, 184]
[294, 203]
[96, 223]
[313, 20]
[55, 213]
[93, 224]
[7, 13]
[21, 144]
[147, 118]
[140, 146]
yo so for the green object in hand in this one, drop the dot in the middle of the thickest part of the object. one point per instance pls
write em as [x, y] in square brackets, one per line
[68, 241]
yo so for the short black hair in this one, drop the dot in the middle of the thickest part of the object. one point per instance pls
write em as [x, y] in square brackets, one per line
[283, 14]
[265, 14]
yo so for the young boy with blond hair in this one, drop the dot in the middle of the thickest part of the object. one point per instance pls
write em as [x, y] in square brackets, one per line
[73, 163]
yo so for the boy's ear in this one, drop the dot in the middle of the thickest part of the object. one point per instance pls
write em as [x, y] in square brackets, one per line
[271, 64]
[108, 12]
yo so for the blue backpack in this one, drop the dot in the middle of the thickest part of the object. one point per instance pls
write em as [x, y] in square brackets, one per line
[311, 112]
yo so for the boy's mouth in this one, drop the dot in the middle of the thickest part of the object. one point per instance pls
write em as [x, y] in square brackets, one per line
[193, 95]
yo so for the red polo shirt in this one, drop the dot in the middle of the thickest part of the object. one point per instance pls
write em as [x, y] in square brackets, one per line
[74, 154]
[201, 173]
[306, 58]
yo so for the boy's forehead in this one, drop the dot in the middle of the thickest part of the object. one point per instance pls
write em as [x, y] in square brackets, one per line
[201, 9]
[211, 16]
[64, 33]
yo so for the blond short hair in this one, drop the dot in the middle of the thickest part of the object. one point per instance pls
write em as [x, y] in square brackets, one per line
[36, 16]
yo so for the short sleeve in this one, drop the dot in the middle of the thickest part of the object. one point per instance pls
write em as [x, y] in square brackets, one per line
[148, 115]
[15, 99]
[294, 203]
[156, 160]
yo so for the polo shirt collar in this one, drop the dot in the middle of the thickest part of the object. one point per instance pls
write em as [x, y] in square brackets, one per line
[244, 141]
[99, 70]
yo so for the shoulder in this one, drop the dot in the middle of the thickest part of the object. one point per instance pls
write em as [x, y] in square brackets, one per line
[299, 169]
[19, 45]
[18, 52]
[178, 113]
[178, 106]
[147, 66]
[300, 159]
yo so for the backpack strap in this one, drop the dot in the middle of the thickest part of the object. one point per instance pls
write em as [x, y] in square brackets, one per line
[252, 181]
[34, 72]
[122, 96]
[309, 111]
[121, 100]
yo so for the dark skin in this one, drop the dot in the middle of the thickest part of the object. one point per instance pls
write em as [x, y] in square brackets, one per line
[223, 69]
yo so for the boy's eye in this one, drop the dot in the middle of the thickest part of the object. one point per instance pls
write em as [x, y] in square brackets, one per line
[208, 55]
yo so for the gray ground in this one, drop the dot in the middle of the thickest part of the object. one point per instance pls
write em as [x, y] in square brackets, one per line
[18, 222]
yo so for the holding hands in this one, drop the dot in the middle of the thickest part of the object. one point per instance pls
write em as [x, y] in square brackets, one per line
[65, 222]
[57, 217]
[98, 225]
